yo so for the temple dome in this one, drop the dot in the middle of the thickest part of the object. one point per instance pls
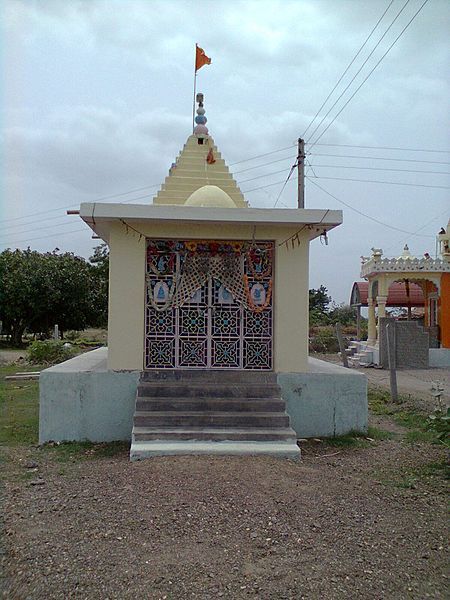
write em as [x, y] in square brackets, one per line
[210, 196]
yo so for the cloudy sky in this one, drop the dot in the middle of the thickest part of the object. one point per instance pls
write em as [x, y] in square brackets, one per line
[97, 102]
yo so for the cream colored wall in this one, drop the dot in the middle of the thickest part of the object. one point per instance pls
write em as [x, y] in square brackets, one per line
[126, 300]
[127, 289]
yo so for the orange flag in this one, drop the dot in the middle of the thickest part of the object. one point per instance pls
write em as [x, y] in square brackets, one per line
[200, 58]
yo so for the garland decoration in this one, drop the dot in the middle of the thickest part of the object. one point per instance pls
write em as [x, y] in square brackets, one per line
[169, 300]
[254, 256]
[252, 306]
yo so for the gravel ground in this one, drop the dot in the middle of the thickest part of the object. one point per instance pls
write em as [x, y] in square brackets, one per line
[341, 523]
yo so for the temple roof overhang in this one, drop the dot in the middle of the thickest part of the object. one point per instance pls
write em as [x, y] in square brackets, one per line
[101, 216]
[399, 294]
[403, 267]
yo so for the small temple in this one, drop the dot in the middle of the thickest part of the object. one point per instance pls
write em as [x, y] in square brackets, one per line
[208, 324]
[410, 282]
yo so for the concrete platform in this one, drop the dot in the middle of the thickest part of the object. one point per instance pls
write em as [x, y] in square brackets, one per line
[142, 450]
[81, 400]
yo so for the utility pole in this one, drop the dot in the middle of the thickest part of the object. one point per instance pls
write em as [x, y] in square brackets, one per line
[301, 173]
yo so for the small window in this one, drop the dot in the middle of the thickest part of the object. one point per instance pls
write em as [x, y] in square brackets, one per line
[200, 141]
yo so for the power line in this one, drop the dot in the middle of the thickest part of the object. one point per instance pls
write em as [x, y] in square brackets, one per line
[440, 187]
[261, 155]
[438, 216]
[53, 226]
[384, 169]
[360, 69]
[43, 212]
[343, 179]
[430, 162]
[364, 214]
[348, 67]
[265, 164]
[59, 216]
[43, 237]
[384, 148]
[371, 71]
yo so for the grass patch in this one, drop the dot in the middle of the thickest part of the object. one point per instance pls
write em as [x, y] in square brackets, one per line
[358, 439]
[19, 408]
[379, 401]
[431, 474]
[72, 451]
[353, 439]
[410, 419]
[379, 434]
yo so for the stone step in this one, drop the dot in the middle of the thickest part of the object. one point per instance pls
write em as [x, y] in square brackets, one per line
[217, 376]
[209, 419]
[214, 433]
[211, 404]
[183, 389]
[142, 450]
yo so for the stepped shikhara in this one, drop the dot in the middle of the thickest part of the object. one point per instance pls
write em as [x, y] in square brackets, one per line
[199, 164]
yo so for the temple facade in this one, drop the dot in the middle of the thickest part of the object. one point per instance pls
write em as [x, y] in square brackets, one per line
[424, 282]
[208, 320]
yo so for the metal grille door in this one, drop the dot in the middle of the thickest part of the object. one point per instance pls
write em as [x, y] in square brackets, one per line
[212, 329]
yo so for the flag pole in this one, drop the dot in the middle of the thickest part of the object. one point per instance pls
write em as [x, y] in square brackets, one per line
[195, 88]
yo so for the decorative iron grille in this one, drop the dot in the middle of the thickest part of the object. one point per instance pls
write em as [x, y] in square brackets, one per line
[215, 327]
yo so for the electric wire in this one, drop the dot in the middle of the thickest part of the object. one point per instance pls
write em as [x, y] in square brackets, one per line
[384, 169]
[422, 185]
[359, 70]
[364, 214]
[347, 68]
[43, 237]
[438, 216]
[59, 216]
[370, 73]
[384, 148]
[431, 162]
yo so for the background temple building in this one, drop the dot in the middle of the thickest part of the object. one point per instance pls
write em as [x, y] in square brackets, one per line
[409, 282]
[208, 321]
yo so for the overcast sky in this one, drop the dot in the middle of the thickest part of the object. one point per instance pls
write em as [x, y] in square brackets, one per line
[97, 101]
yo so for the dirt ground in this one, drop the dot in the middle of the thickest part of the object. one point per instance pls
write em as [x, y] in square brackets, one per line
[9, 356]
[414, 382]
[365, 522]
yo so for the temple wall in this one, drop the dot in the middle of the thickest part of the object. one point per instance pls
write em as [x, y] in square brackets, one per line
[127, 288]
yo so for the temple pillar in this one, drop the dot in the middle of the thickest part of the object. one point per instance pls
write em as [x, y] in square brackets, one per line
[371, 325]
[381, 302]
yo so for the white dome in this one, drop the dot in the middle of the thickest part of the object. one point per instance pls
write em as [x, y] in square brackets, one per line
[210, 196]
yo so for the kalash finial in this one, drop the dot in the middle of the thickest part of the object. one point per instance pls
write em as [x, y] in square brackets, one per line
[200, 119]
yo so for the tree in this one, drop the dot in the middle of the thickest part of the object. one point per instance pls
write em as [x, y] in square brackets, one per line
[318, 306]
[39, 290]
[343, 314]
[319, 299]
[100, 262]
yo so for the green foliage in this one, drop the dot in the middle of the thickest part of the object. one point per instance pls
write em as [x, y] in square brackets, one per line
[48, 352]
[353, 439]
[379, 434]
[438, 424]
[39, 290]
[343, 314]
[100, 263]
[19, 410]
[324, 340]
[319, 299]
[65, 452]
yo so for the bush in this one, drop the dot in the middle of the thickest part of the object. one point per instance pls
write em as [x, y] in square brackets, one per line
[49, 352]
[324, 340]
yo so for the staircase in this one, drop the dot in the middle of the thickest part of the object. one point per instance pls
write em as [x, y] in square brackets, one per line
[211, 412]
